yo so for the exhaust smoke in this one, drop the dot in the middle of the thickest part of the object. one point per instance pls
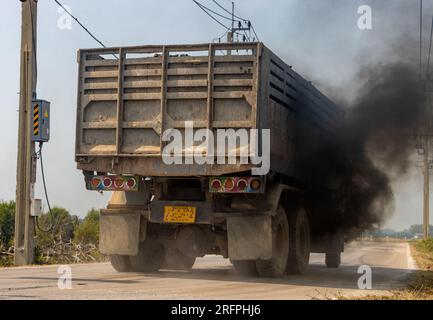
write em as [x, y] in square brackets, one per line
[359, 163]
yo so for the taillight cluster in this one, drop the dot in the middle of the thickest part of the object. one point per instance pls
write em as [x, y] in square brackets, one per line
[112, 183]
[236, 185]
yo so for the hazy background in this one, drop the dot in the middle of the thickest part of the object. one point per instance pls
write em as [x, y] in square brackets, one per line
[320, 38]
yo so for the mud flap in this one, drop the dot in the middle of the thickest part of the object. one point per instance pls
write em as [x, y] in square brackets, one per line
[119, 232]
[249, 237]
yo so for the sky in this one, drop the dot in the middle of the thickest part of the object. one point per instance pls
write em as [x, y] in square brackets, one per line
[320, 38]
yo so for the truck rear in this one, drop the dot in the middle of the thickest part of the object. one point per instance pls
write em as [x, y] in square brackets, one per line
[199, 145]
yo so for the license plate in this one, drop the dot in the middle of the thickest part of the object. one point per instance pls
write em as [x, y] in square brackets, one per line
[176, 214]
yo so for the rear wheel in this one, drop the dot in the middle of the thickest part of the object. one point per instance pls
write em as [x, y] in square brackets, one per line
[120, 263]
[276, 266]
[175, 260]
[149, 258]
[245, 267]
[333, 260]
[300, 242]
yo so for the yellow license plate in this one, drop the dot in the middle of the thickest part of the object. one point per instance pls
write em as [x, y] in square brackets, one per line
[177, 214]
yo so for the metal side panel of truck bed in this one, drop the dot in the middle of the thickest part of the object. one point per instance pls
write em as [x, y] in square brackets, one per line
[128, 96]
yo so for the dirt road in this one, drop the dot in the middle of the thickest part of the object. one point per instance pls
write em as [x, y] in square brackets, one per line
[213, 278]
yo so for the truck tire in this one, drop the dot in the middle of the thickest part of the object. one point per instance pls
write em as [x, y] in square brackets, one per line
[175, 260]
[149, 258]
[245, 267]
[276, 266]
[184, 263]
[333, 260]
[300, 242]
[120, 263]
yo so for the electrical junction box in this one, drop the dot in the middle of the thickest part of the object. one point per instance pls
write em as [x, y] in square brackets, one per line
[36, 208]
[41, 121]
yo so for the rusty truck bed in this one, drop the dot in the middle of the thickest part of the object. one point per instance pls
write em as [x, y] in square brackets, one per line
[128, 96]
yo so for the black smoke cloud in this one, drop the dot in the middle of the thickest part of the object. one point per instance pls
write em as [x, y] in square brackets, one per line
[356, 166]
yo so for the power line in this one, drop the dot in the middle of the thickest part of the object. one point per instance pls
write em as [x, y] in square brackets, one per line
[222, 36]
[230, 13]
[210, 10]
[238, 17]
[254, 31]
[81, 25]
[215, 19]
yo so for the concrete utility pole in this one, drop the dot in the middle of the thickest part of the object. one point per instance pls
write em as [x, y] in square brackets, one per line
[230, 34]
[426, 202]
[26, 161]
[233, 30]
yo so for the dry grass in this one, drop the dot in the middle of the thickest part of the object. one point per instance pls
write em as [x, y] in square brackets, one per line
[56, 252]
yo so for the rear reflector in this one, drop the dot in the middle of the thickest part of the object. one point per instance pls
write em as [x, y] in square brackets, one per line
[242, 184]
[215, 184]
[236, 185]
[255, 184]
[107, 182]
[229, 184]
[112, 183]
[95, 182]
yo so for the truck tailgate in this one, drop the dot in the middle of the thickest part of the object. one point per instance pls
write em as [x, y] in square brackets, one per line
[128, 96]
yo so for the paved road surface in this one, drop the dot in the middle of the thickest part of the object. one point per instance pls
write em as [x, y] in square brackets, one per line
[213, 278]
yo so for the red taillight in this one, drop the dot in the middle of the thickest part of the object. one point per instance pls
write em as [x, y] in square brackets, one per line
[95, 182]
[242, 184]
[107, 182]
[113, 183]
[131, 183]
[236, 185]
[216, 184]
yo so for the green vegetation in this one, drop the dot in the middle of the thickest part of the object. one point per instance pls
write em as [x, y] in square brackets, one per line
[7, 228]
[423, 253]
[7, 221]
[60, 236]
[60, 226]
[88, 230]
[414, 231]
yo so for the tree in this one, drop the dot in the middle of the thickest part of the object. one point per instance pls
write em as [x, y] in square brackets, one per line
[88, 230]
[59, 225]
[7, 222]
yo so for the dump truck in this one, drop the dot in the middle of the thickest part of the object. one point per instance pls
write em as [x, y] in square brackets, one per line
[175, 201]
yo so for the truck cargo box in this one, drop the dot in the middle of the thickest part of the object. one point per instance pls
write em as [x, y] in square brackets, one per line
[128, 96]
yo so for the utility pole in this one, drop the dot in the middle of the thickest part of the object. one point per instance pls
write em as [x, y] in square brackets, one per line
[26, 160]
[230, 34]
[424, 139]
[234, 30]
[426, 202]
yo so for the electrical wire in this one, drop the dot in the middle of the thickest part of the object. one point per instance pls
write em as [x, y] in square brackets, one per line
[222, 36]
[215, 19]
[81, 25]
[254, 31]
[53, 226]
[210, 10]
[246, 36]
[230, 13]
[238, 17]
